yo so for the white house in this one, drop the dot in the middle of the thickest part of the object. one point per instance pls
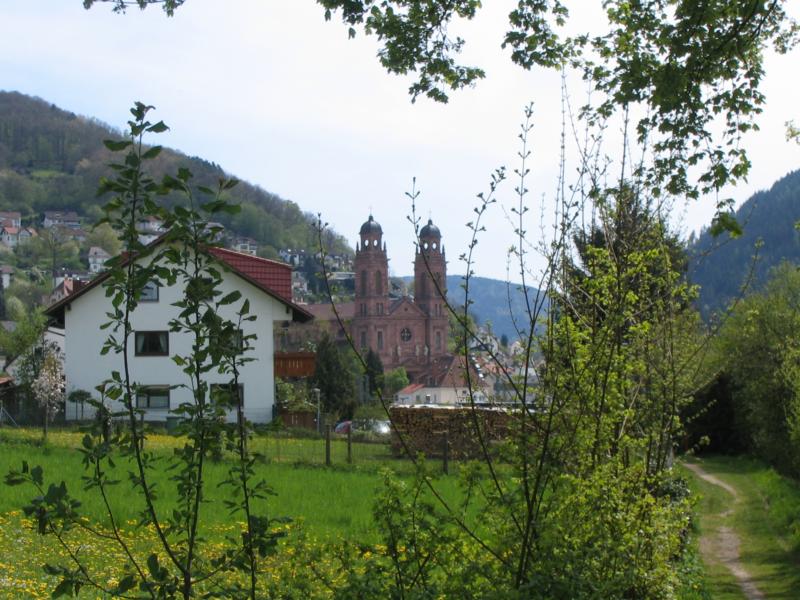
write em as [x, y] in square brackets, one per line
[266, 283]
[97, 259]
[445, 384]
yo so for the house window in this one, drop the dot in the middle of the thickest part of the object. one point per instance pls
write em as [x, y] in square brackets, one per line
[152, 343]
[380, 308]
[438, 340]
[380, 340]
[378, 283]
[149, 292]
[224, 394]
[363, 283]
[153, 396]
[363, 339]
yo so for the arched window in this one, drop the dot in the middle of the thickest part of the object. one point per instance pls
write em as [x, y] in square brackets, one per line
[378, 283]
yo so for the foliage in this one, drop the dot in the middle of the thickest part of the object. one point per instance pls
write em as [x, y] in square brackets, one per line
[374, 372]
[26, 335]
[394, 381]
[759, 354]
[106, 238]
[333, 377]
[292, 395]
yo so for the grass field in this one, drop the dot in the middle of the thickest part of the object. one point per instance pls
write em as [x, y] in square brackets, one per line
[293, 468]
[325, 504]
[766, 519]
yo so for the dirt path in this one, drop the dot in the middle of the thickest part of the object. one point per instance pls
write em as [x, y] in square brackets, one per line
[722, 545]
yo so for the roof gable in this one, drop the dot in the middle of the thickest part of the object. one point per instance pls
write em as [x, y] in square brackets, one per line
[260, 272]
[405, 301]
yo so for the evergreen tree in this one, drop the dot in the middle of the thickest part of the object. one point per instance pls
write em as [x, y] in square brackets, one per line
[334, 379]
[374, 372]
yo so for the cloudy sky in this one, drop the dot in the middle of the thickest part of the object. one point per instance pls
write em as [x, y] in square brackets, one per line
[278, 97]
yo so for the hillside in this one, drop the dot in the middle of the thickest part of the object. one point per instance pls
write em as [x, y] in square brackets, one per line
[720, 266]
[490, 302]
[51, 159]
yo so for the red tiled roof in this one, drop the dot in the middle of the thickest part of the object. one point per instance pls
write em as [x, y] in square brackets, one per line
[270, 276]
[410, 389]
[274, 275]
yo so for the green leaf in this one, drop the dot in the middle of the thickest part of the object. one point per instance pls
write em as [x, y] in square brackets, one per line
[159, 127]
[725, 222]
[152, 152]
[115, 146]
[64, 588]
[37, 475]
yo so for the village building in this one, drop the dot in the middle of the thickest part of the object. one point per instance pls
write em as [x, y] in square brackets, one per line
[11, 218]
[61, 218]
[265, 283]
[97, 259]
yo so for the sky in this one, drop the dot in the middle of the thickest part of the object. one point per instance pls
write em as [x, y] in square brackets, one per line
[278, 97]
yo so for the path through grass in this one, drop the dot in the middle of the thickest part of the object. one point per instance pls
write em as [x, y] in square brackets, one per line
[761, 517]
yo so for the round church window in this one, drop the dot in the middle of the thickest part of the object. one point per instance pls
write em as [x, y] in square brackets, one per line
[405, 334]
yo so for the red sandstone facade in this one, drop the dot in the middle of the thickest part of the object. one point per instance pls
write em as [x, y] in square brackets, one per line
[407, 332]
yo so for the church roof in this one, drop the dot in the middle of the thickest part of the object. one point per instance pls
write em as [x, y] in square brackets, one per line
[371, 226]
[430, 230]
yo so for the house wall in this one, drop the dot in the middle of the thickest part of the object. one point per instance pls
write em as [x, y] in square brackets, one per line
[85, 368]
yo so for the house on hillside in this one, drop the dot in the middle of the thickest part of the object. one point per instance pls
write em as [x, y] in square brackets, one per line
[11, 218]
[245, 245]
[11, 236]
[62, 218]
[265, 283]
[97, 259]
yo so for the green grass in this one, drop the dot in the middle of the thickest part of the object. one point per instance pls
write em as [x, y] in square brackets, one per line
[331, 502]
[324, 503]
[766, 520]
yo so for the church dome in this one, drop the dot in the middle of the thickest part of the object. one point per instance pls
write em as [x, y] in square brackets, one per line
[430, 231]
[371, 226]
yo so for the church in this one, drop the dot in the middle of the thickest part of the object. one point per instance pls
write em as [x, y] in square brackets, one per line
[408, 331]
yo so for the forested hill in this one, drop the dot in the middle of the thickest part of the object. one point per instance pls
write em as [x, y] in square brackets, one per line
[51, 159]
[720, 266]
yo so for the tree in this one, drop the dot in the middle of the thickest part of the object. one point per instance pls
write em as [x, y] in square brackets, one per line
[104, 237]
[48, 388]
[394, 381]
[374, 372]
[333, 378]
[758, 353]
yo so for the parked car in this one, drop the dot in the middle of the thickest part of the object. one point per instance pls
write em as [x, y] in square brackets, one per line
[376, 426]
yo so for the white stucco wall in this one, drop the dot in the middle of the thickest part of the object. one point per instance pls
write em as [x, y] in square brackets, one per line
[85, 368]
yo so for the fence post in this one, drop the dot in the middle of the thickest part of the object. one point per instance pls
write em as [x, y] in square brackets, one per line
[328, 445]
[446, 454]
[350, 445]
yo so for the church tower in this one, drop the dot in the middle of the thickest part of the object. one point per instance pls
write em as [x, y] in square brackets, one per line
[430, 287]
[372, 287]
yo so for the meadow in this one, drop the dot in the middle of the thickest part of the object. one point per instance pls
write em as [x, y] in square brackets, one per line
[323, 506]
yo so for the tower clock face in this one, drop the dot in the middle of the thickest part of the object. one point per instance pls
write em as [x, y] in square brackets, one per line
[405, 334]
